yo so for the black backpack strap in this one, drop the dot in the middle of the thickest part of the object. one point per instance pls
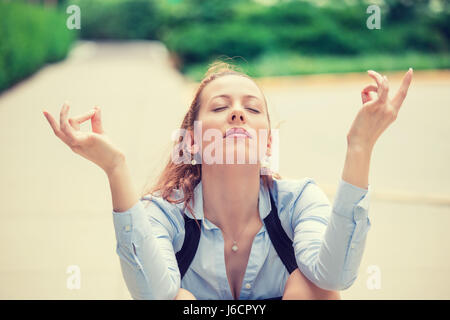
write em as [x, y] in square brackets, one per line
[190, 244]
[279, 238]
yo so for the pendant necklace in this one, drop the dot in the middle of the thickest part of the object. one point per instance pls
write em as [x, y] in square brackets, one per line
[235, 247]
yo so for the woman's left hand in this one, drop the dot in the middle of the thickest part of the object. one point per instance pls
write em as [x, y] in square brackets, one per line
[377, 112]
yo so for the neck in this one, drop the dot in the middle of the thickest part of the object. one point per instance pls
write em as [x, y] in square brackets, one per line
[230, 196]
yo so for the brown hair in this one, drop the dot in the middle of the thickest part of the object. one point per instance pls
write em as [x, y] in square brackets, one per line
[186, 176]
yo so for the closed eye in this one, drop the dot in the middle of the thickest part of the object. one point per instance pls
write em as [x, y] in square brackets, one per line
[253, 110]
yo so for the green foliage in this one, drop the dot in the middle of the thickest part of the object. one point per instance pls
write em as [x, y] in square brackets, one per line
[198, 42]
[30, 36]
[292, 63]
[201, 30]
[118, 19]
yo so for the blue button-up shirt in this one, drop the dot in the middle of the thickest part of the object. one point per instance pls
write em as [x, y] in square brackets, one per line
[328, 243]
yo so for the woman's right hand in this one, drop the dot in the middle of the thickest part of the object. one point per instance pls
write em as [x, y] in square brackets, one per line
[94, 146]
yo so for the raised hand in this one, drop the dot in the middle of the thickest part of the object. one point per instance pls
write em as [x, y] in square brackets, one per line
[378, 111]
[94, 146]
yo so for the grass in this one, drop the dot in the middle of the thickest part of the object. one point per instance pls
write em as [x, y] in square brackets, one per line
[287, 64]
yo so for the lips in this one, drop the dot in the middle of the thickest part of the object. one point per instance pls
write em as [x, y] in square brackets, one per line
[237, 132]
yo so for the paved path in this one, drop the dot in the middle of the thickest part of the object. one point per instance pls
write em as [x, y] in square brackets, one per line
[56, 206]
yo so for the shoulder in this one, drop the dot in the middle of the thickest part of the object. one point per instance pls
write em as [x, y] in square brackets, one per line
[299, 199]
[291, 185]
[287, 192]
[162, 212]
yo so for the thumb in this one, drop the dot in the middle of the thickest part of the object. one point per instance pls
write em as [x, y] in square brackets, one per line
[96, 121]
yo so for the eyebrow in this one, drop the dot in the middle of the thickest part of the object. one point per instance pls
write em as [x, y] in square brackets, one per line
[247, 96]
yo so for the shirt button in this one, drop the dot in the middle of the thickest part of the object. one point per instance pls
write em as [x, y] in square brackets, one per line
[127, 228]
[353, 246]
[248, 286]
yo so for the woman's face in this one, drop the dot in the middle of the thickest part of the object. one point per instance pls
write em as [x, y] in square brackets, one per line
[228, 102]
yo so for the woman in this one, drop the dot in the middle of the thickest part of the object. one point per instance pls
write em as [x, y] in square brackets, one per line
[235, 256]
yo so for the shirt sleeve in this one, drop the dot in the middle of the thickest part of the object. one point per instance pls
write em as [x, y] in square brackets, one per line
[144, 246]
[329, 240]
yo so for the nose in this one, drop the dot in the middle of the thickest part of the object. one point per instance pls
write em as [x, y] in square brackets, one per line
[236, 116]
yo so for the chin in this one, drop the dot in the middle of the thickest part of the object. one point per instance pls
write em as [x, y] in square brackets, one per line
[246, 153]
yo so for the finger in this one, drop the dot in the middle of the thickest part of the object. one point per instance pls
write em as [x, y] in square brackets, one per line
[376, 76]
[365, 97]
[55, 127]
[365, 93]
[64, 125]
[76, 121]
[401, 93]
[81, 118]
[369, 88]
[384, 90]
[52, 123]
[96, 121]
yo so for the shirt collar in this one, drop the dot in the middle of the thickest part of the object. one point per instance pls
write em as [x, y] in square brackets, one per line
[264, 205]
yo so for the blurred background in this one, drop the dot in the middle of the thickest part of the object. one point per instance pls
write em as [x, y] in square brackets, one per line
[141, 62]
[286, 38]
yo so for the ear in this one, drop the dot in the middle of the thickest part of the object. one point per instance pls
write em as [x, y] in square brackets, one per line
[188, 140]
[191, 147]
[269, 145]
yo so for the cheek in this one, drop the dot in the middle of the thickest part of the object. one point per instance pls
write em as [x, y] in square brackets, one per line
[262, 128]
[211, 121]
[262, 133]
[211, 132]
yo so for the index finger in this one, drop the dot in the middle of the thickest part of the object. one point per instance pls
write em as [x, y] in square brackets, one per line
[401, 94]
[376, 76]
[85, 116]
[64, 125]
[52, 122]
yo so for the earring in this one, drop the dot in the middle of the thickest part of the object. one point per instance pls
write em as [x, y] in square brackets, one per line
[195, 149]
